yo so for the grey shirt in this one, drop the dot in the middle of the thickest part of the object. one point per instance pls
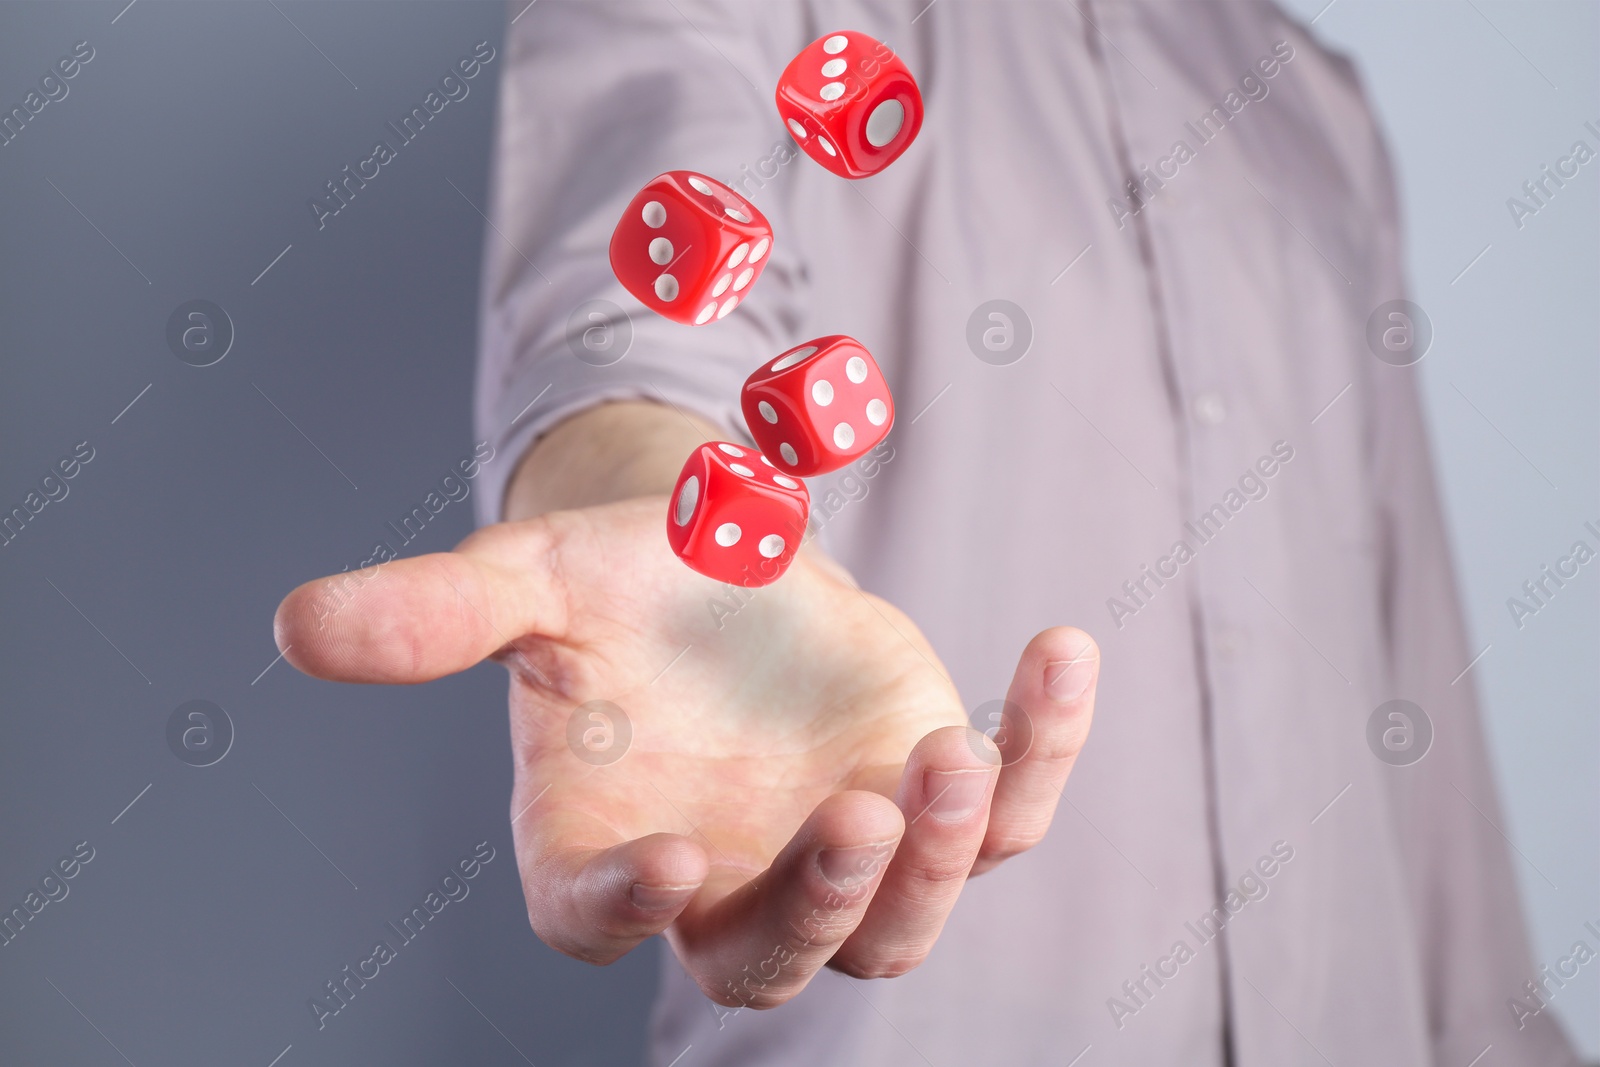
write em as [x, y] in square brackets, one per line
[1175, 434]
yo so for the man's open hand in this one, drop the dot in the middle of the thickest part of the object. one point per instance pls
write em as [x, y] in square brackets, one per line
[800, 787]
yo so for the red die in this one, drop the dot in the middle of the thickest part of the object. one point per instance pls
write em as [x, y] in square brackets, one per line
[734, 517]
[851, 103]
[817, 407]
[690, 247]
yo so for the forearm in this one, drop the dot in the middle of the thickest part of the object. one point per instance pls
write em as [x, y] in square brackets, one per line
[609, 452]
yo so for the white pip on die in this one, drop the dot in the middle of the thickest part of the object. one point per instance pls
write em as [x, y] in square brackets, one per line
[734, 516]
[818, 406]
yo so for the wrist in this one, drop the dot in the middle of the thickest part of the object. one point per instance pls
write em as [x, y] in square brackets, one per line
[610, 452]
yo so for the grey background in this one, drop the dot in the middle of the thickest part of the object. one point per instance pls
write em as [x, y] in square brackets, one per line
[226, 895]
[193, 140]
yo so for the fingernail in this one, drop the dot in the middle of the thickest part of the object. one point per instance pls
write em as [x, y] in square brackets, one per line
[953, 795]
[660, 897]
[1066, 680]
[847, 867]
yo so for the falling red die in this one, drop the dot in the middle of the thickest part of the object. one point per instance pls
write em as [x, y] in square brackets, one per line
[689, 247]
[735, 517]
[851, 103]
[819, 406]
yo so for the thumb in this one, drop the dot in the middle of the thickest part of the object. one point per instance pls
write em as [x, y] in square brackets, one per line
[414, 620]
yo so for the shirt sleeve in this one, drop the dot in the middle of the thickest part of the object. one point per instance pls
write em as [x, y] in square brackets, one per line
[1465, 902]
[596, 99]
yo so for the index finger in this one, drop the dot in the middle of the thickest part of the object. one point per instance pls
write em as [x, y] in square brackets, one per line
[1052, 696]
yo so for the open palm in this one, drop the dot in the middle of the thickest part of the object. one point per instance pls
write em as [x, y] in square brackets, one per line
[777, 779]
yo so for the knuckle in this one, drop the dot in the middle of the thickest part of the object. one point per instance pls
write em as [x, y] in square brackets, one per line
[535, 536]
[984, 865]
[771, 976]
[900, 965]
[590, 955]
[751, 993]
[941, 871]
[873, 967]
[768, 999]
[1001, 851]
[820, 929]
[1005, 844]
[587, 954]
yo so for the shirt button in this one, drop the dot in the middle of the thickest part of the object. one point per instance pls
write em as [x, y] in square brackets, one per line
[1209, 409]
